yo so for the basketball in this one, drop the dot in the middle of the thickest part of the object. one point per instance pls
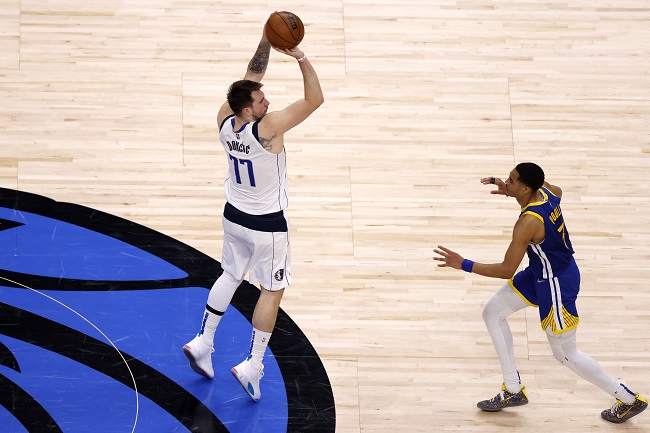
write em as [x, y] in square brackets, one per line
[284, 30]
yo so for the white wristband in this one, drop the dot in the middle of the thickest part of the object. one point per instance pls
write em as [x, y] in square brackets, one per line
[302, 58]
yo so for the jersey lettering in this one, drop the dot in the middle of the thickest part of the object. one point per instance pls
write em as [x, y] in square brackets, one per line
[557, 213]
[249, 164]
[236, 146]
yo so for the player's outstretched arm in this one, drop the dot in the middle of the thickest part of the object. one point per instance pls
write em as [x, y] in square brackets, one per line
[525, 229]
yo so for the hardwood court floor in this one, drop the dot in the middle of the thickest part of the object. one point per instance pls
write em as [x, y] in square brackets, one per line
[112, 105]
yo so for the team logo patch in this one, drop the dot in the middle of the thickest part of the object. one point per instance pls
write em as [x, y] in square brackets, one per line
[279, 275]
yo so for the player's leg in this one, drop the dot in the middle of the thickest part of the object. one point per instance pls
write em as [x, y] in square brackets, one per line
[250, 371]
[271, 268]
[495, 314]
[565, 350]
[235, 261]
[264, 317]
[505, 302]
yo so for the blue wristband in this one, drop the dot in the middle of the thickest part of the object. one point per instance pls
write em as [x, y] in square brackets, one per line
[467, 265]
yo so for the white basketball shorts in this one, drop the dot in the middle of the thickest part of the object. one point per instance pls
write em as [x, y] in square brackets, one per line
[265, 256]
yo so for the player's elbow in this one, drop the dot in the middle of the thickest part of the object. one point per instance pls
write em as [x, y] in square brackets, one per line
[506, 272]
[317, 101]
[313, 104]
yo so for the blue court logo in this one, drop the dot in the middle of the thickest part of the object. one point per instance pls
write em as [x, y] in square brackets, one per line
[94, 311]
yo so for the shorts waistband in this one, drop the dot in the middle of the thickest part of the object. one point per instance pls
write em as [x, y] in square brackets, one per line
[270, 222]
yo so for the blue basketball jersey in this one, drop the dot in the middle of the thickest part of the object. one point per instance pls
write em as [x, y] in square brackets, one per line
[554, 254]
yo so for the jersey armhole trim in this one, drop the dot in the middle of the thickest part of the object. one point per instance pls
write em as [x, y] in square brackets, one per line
[535, 214]
[224, 121]
[256, 134]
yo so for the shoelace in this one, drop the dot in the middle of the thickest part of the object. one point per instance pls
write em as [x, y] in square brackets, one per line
[498, 398]
[617, 406]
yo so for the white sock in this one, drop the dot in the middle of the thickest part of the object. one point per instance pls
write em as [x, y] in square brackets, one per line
[211, 319]
[259, 342]
[624, 394]
[512, 382]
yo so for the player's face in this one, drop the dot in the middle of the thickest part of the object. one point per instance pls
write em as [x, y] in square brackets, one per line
[512, 182]
[260, 105]
[514, 186]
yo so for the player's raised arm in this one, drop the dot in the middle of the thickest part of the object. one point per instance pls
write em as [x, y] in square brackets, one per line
[501, 185]
[260, 60]
[282, 121]
[254, 72]
[273, 126]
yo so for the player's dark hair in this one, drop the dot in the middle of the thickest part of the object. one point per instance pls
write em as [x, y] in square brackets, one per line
[240, 94]
[530, 174]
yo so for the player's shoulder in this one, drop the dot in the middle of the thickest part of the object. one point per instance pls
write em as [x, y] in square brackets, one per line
[267, 125]
[529, 219]
[553, 189]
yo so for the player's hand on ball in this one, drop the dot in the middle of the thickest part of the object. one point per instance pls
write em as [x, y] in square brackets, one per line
[293, 52]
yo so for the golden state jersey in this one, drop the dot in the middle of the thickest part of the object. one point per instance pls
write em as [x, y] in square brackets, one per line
[256, 182]
[552, 279]
[554, 254]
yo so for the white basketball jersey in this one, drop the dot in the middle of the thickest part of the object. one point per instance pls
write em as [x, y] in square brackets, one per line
[256, 182]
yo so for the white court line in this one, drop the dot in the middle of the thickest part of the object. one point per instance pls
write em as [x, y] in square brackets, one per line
[135, 386]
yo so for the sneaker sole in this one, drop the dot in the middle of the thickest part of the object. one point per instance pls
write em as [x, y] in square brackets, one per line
[491, 409]
[486, 409]
[188, 353]
[236, 376]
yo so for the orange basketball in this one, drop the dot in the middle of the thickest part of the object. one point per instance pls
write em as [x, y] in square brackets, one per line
[284, 30]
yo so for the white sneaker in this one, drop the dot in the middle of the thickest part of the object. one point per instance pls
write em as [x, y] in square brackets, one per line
[200, 356]
[249, 379]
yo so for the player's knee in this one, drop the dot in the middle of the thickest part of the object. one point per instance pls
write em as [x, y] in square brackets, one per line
[563, 347]
[559, 355]
[493, 309]
[229, 279]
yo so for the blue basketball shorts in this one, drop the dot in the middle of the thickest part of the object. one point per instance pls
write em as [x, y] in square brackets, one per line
[555, 297]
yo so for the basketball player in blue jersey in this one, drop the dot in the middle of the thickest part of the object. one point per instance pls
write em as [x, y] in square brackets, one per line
[550, 282]
[256, 231]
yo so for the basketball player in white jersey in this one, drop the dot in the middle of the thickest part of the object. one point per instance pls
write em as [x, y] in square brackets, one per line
[256, 234]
